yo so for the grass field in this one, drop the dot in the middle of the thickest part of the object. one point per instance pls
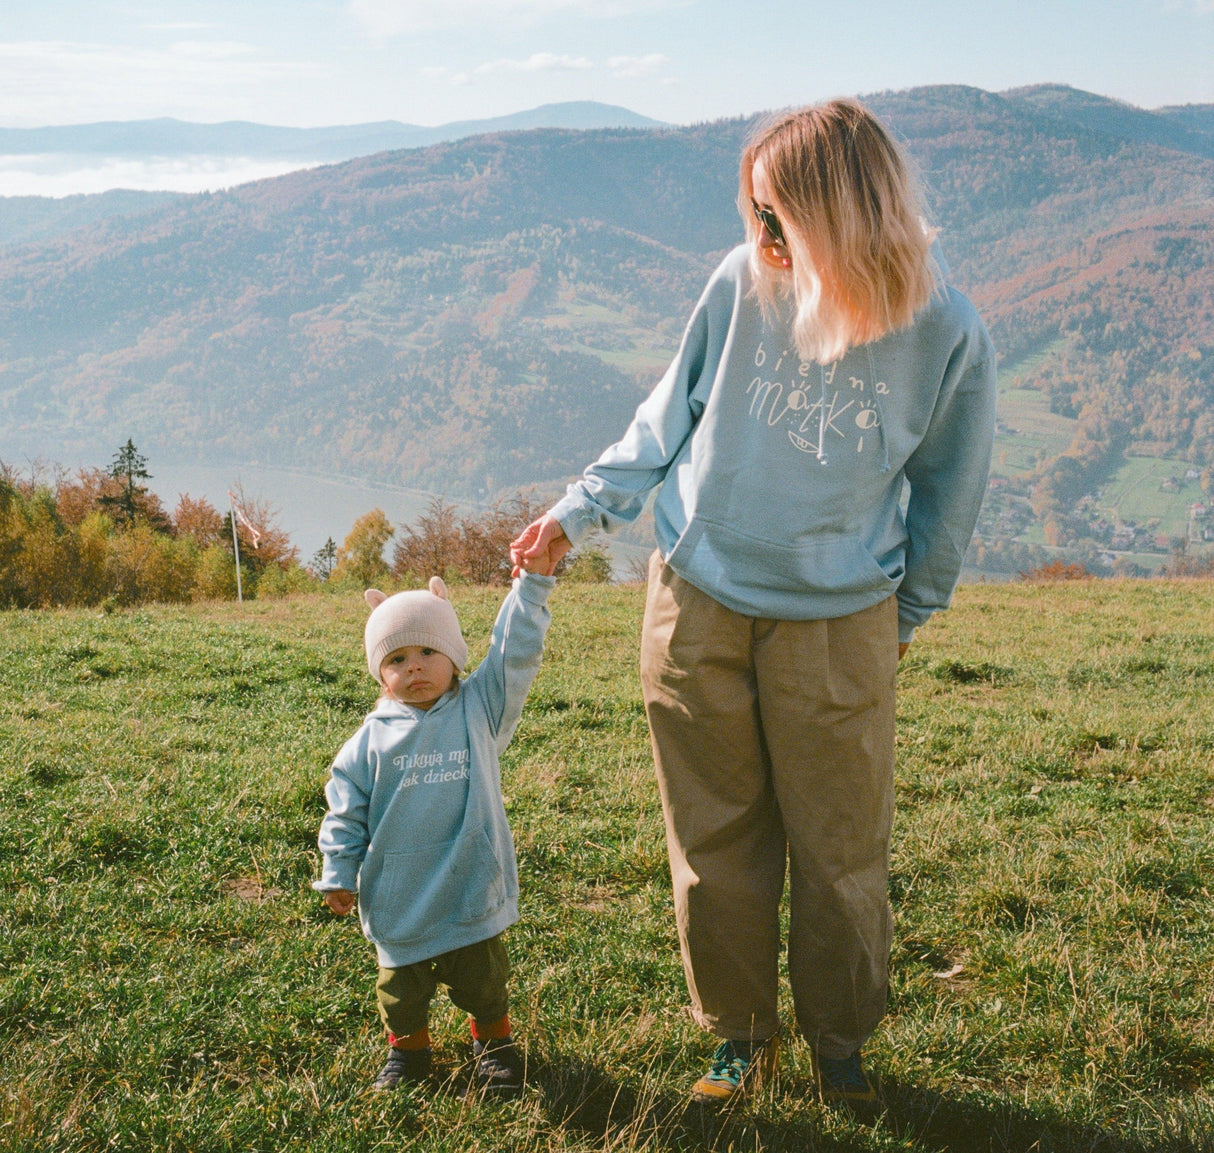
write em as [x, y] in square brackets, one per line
[1133, 493]
[1029, 433]
[169, 981]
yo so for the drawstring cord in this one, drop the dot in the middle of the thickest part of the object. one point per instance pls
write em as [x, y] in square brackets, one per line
[821, 454]
[872, 376]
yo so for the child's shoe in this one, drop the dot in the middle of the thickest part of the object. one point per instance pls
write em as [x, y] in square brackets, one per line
[738, 1067]
[403, 1067]
[499, 1065]
[844, 1082]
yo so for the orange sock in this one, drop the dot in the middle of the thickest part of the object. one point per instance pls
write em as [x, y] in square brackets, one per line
[418, 1040]
[495, 1031]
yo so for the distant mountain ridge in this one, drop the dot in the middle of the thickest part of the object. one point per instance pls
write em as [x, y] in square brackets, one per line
[170, 137]
[1187, 128]
[485, 313]
[50, 155]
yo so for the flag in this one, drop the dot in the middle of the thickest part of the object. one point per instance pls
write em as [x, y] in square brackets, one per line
[244, 520]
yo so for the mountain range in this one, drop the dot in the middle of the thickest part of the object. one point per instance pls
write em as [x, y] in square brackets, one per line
[165, 136]
[485, 313]
[128, 158]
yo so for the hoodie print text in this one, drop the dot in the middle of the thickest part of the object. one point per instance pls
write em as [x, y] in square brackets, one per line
[845, 410]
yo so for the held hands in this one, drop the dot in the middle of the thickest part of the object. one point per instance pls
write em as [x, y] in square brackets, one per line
[340, 901]
[539, 547]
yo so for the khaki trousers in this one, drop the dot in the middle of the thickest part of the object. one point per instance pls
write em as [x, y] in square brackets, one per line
[774, 745]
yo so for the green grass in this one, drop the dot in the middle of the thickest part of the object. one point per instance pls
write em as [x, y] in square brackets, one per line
[1133, 493]
[169, 981]
[1033, 433]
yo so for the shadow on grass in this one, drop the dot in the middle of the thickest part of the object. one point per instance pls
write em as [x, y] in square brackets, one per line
[581, 1097]
[962, 1125]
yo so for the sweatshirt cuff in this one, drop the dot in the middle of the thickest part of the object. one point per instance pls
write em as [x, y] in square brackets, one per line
[576, 520]
[338, 874]
[533, 587]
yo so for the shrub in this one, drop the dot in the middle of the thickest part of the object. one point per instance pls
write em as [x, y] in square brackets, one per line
[590, 565]
[216, 575]
[144, 565]
[42, 569]
[474, 548]
[280, 581]
[198, 519]
[360, 560]
[1057, 570]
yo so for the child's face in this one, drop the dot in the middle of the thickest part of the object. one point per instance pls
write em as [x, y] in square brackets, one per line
[417, 676]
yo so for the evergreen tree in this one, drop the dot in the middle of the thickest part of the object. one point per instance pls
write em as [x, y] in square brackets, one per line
[325, 559]
[127, 467]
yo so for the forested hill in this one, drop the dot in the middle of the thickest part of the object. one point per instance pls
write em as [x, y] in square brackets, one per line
[486, 313]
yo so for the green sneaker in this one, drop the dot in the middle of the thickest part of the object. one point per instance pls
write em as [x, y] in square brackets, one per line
[738, 1067]
[844, 1082]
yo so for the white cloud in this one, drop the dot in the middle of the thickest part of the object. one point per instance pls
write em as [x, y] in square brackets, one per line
[211, 49]
[397, 17]
[633, 67]
[539, 62]
[49, 82]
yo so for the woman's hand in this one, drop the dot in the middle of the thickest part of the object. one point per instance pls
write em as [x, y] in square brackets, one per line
[340, 901]
[539, 547]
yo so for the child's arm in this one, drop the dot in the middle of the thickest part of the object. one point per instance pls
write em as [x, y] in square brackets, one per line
[344, 833]
[515, 650]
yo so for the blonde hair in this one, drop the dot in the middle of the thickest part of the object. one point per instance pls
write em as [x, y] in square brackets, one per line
[851, 209]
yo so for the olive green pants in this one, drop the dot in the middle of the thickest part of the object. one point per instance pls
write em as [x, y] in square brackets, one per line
[476, 977]
[774, 746]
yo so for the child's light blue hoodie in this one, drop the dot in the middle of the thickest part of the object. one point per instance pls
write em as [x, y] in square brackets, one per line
[416, 823]
[780, 484]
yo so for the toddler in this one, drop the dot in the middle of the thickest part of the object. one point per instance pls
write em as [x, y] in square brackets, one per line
[416, 832]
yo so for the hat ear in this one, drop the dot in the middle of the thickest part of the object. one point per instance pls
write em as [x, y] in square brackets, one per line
[374, 597]
[438, 588]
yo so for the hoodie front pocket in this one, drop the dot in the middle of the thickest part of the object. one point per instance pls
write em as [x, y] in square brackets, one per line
[717, 556]
[409, 894]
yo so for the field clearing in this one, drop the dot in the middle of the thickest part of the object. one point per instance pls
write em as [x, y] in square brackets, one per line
[171, 983]
[1028, 432]
[1134, 493]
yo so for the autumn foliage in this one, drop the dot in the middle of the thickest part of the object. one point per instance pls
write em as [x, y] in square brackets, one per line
[93, 538]
[96, 539]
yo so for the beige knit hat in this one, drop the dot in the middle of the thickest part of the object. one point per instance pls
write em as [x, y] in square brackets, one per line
[413, 618]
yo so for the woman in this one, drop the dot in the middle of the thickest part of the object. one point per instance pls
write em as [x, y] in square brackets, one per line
[826, 374]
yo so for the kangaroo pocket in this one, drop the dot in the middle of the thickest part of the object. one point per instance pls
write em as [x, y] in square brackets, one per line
[407, 894]
[752, 569]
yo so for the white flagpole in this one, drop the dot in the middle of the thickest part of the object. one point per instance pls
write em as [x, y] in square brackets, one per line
[235, 547]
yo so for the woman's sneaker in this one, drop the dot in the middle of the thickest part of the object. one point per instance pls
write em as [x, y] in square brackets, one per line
[844, 1082]
[738, 1067]
[499, 1065]
[403, 1067]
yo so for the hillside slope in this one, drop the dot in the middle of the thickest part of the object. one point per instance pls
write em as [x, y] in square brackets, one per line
[486, 313]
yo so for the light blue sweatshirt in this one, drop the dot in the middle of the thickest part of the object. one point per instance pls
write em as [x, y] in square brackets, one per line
[416, 822]
[780, 484]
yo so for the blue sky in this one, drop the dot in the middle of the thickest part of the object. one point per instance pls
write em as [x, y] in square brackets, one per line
[309, 62]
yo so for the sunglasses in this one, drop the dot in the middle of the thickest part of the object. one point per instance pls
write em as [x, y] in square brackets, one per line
[769, 220]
